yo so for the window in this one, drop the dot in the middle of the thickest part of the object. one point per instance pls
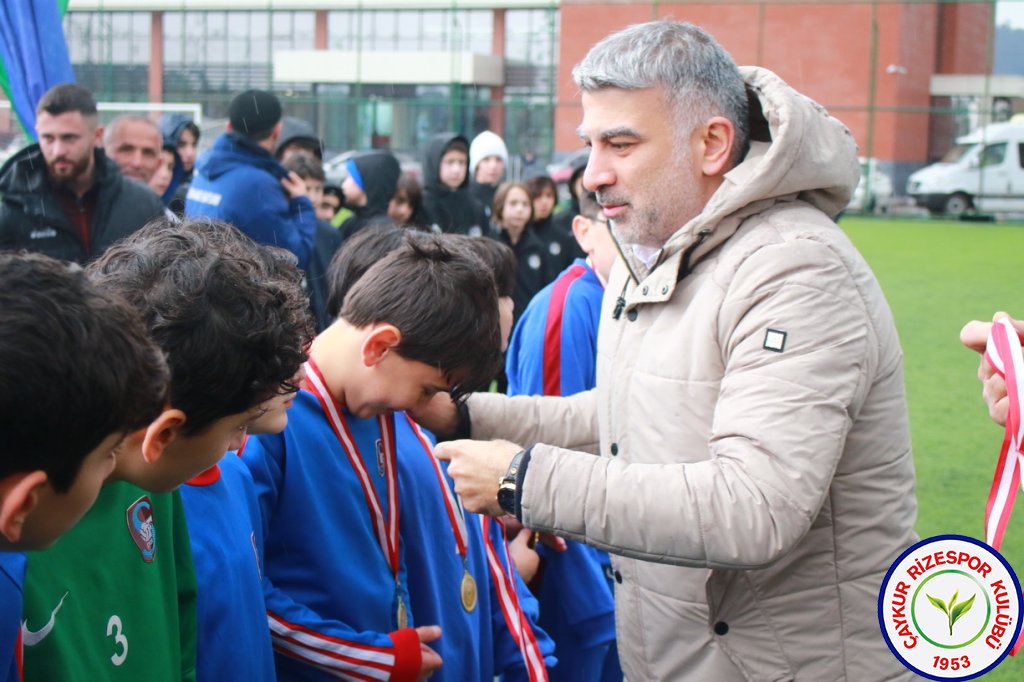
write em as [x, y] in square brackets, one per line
[992, 155]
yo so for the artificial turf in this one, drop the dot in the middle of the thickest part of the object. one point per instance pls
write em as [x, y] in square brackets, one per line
[937, 275]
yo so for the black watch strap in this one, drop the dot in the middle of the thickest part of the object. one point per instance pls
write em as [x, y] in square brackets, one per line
[510, 488]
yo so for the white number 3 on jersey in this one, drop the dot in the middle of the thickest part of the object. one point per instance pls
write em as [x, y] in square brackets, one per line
[116, 630]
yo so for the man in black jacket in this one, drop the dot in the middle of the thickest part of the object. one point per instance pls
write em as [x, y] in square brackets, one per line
[63, 196]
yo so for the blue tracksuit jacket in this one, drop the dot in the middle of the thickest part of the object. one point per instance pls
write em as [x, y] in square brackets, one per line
[476, 645]
[232, 637]
[330, 593]
[553, 351]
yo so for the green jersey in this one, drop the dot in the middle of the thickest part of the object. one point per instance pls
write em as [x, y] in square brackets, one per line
[115, 598]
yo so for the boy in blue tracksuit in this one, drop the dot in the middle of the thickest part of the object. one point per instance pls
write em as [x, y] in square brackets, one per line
[553, 352]
[336, 575]
[488, 618]
[240, 182]
[442, 546]
[66, 411]
[232, 639]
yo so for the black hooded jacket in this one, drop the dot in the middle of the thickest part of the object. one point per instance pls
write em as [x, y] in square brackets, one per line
[298, 130]
[379, 172]
[31, 217]
[563, 219]
[449, 210]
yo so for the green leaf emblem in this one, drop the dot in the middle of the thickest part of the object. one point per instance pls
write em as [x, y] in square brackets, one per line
[954, 611]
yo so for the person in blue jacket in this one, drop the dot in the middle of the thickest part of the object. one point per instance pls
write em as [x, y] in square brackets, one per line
[460, 575]
[239, 180]
[336, 575]
[553, 352]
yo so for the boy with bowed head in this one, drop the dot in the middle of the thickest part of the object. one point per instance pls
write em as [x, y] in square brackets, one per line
[98, 378]
[214, 303]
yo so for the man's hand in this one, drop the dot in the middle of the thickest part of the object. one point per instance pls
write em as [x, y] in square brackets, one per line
[974, 335]
[438, 415]
[430, 660]
[293, 185]
[477, 467]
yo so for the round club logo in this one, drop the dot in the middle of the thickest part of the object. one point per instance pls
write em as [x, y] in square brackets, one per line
[950, 608]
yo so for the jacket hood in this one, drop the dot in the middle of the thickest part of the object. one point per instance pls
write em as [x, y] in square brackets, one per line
[295, 129]
[379, 172]
[177, 174]
[797, 152]
[579, 165]
[232, 150]
[432, 154]
[171, 126]
[486, 144]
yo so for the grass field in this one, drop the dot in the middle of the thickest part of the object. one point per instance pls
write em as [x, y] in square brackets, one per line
[937, 276]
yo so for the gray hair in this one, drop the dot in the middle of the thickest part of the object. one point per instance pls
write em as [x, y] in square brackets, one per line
[699, 77]
[111, 129]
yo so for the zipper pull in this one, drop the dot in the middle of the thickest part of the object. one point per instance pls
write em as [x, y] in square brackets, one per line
[620, 302]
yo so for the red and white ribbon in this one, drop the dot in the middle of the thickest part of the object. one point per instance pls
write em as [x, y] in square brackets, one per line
[386, 527]
[452, 505]
[1003, 352]
[515, 619]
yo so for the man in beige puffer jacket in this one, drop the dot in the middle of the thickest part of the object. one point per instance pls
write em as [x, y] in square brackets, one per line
[755, 478]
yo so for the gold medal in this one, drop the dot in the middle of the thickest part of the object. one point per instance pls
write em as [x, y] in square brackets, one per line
[403, 617]
[468, 592]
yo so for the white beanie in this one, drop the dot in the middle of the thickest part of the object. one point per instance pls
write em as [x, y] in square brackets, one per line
[486, 144]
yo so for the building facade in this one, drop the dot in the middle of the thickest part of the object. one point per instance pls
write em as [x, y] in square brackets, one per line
[389, 73]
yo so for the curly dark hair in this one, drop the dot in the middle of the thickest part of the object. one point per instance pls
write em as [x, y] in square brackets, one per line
[77, 366]
[442, 298]
[229, 313]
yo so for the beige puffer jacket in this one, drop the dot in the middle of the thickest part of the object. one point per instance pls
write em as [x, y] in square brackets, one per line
[755, 479]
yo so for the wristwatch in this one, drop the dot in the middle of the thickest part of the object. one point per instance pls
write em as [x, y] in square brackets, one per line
[508, 484]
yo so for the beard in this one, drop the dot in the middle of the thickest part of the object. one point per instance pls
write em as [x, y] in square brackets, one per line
[66, 170]
[659, 205]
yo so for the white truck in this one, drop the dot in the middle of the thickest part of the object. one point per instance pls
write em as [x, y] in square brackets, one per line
[983, 172]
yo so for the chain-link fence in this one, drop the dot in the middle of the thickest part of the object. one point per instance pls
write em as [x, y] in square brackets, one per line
[910, 79]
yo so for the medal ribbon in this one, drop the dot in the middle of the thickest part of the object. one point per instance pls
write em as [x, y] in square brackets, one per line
[456, 515]
[386, 529]
[1003, 352]
[515, 619]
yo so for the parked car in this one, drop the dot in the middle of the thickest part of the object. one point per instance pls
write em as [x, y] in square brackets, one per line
[984, 171]
[335, 171]
[874, 190]
[562, 171]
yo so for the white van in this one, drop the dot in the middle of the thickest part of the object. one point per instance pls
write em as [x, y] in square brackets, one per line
[984, 171]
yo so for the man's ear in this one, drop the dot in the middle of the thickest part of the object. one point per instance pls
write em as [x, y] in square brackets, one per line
[98, 141]
[717, 139]
[159, 434]
[20, 493]
[380, 340]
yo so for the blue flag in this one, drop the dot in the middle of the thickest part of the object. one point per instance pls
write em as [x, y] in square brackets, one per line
[33, 54]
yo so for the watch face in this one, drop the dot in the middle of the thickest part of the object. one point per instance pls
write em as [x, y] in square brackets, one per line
[507, 497]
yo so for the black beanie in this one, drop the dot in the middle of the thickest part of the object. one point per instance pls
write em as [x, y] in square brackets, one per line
[254, 113]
